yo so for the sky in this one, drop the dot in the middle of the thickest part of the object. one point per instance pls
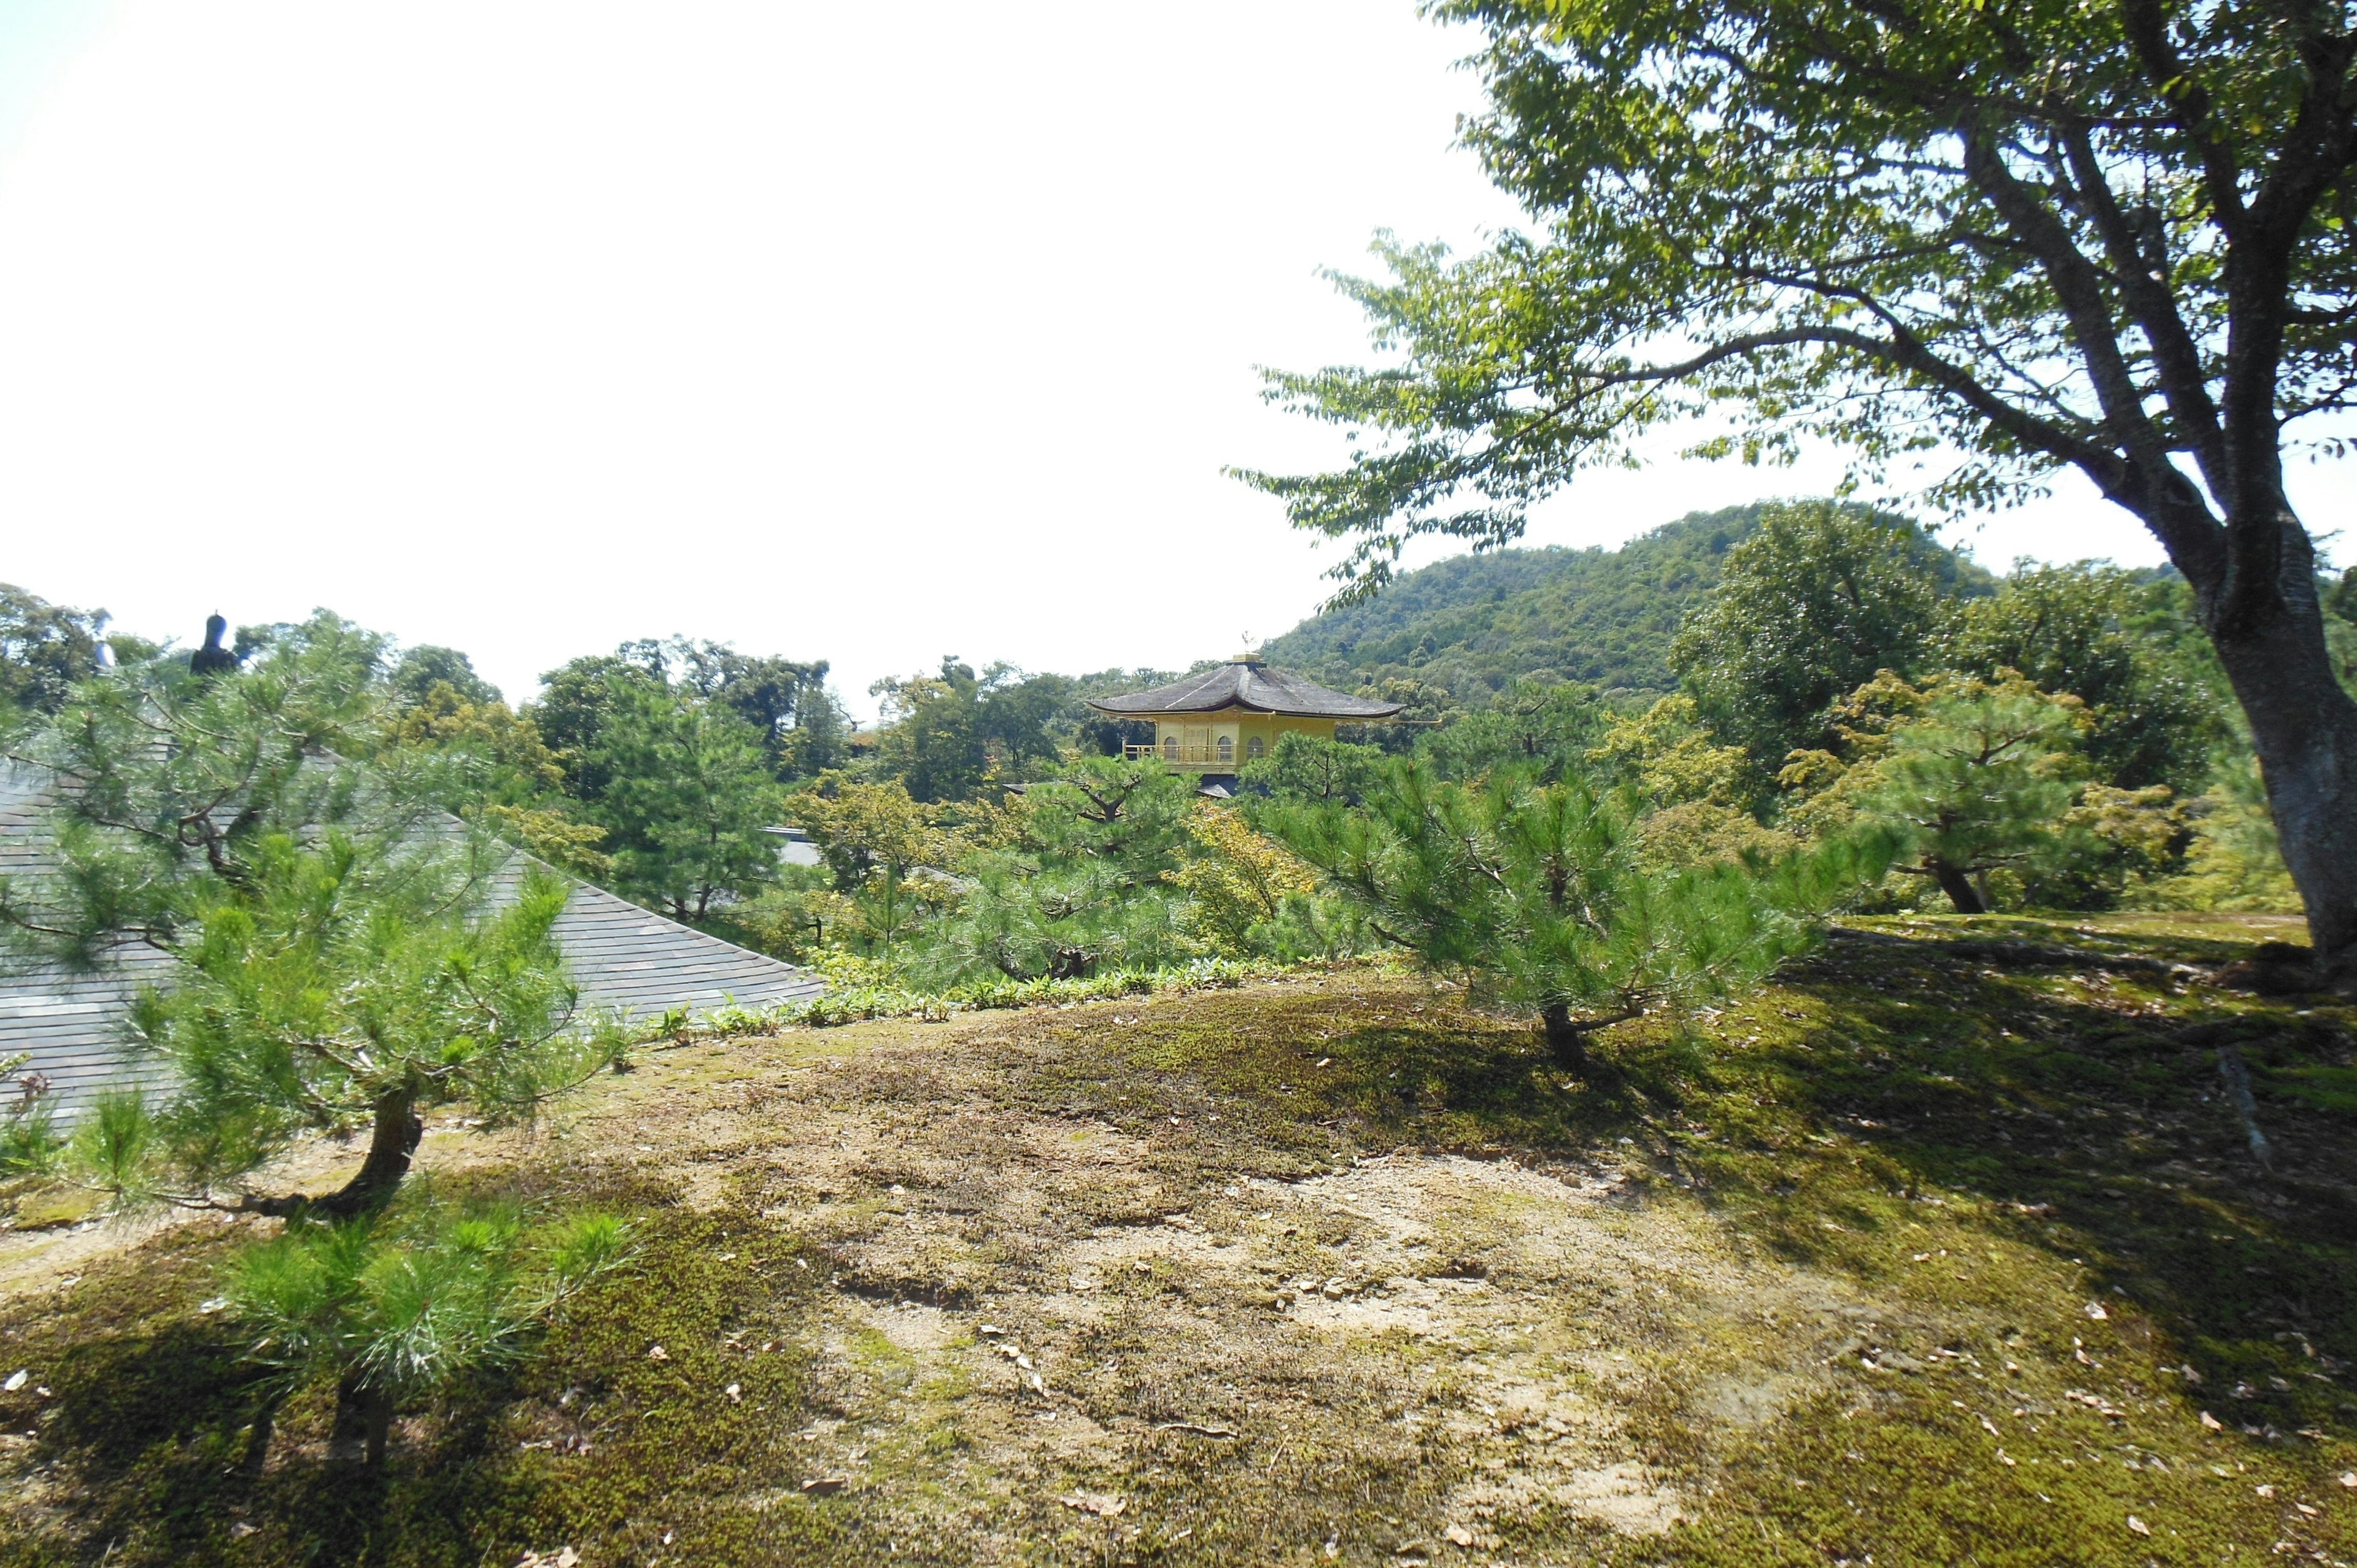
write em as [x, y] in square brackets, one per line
[866, 334]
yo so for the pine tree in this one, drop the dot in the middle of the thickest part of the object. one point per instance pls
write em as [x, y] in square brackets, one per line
[1540, 897]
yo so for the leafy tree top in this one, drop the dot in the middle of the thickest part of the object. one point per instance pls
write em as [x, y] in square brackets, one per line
[1812, 604]
[422, 668]
[44, 648]
[2111, 234]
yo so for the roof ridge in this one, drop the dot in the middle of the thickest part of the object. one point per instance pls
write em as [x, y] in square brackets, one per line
[1258, 686]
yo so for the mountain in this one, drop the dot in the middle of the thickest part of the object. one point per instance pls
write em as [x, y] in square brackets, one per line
[1475, 623]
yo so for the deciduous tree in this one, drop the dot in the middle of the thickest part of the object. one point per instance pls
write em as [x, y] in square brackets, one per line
[1812, 604]
[2116, 236]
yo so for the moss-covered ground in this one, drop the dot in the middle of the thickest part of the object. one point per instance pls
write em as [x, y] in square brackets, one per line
[1920, 1256]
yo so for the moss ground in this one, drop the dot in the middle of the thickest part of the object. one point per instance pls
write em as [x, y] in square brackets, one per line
[1909, 1259]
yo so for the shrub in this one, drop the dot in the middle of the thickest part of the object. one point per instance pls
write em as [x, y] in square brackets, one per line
[397, 1304]
[1541, 897]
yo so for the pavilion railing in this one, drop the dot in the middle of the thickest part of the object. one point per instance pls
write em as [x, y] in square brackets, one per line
[1180, 755]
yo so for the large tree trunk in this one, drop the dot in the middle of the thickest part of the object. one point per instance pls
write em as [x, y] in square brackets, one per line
[392, 1143]
[2304, 725]
[1565, 1039]
[1960, 889]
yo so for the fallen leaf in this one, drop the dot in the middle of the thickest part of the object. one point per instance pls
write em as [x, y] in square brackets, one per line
[2096, 1310]
[2138, 1525]
[1104, 1505]
[823, 1486]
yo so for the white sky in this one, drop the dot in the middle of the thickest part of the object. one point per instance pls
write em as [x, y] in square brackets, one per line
[861, 333]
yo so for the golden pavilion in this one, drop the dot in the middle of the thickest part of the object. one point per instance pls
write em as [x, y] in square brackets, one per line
[1217, 720]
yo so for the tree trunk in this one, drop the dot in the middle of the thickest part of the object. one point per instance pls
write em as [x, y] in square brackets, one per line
[1567, 1039]
[392, 1143]
[1956, 885]
[364, 1423]
[2304, 726]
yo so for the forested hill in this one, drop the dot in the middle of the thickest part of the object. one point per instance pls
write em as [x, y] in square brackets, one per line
[1474, 623]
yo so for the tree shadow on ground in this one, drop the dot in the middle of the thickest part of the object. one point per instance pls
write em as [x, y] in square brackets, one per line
[2088, 1104]
[150, 1407]
[1872, 1078]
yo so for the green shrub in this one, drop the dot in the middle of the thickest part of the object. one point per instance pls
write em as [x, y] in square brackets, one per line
[398, 1305]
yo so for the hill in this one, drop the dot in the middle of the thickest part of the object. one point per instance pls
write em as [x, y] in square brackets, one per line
[1474, 623]
[1937, 1254]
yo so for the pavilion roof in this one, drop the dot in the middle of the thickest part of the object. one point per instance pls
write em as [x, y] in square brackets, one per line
[1249, 684]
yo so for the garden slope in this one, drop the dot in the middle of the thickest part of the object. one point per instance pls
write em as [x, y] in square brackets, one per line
[1915, 1257]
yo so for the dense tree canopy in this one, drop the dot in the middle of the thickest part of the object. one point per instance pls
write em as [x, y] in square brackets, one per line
[1812, 604]
[947, 734]
[2121, 643]
[44, 648]
[422, 668]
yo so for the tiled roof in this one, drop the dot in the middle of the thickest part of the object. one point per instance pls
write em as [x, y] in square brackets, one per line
[1248, 684]
[621, 956]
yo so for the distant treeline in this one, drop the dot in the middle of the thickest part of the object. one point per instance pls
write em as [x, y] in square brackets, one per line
[1755, 677]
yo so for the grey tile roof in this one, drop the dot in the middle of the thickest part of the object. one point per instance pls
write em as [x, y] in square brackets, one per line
[1248, 684]
[621, 956]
